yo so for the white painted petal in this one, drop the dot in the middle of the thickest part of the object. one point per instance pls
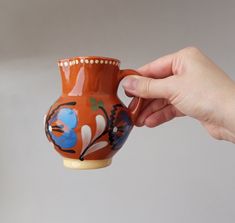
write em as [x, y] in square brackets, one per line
[97, 146]
[86, 136]
[100, 125]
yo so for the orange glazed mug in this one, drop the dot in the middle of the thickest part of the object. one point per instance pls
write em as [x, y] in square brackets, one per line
[88, 124]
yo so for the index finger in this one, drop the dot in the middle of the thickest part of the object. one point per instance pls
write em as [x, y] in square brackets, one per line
[160, 68]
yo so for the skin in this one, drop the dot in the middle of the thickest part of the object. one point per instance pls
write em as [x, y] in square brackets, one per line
[185, 83]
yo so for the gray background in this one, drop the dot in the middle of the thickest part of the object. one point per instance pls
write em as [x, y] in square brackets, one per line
[174, 173]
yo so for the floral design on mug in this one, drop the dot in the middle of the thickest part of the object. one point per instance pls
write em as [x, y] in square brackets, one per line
[89, 143]
[60, 126]
[62, 121]
[118, 126]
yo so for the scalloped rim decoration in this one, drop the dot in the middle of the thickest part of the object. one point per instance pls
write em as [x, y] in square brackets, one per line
[88, 60]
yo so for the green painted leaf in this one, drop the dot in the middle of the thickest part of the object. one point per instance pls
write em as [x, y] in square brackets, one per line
[93, 101]
[94, 107]
[100, 104]
[96, 104]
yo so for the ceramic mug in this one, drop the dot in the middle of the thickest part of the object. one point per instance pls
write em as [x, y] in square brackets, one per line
[88, 124]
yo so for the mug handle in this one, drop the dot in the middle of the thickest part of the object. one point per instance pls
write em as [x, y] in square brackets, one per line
[134, 111]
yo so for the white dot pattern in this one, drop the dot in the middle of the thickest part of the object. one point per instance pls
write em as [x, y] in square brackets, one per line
[88, 61]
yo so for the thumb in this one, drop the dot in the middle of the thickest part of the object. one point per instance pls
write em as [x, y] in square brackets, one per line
[145, 87]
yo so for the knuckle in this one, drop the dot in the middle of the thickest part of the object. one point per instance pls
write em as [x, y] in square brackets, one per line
[169, 87]
[216, 135]
[151, 68]
[177, 65]
[145, 87]
[191, 50]
[148, 87]
[183, 57]
[170, 114]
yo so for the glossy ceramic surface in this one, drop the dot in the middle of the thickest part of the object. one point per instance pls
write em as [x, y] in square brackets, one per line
[89, 122]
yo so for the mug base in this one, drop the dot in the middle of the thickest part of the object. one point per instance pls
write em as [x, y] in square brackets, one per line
[86, 164]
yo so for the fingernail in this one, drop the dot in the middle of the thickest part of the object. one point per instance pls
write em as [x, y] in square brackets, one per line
[130, 83]
[139, 123]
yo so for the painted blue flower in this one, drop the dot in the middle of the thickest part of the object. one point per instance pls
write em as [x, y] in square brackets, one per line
[120, 129]
[61, 128]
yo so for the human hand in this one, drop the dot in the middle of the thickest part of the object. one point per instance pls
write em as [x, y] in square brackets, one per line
[185, 83]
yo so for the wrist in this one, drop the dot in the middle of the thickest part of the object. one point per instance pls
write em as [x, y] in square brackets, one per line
[227, 112]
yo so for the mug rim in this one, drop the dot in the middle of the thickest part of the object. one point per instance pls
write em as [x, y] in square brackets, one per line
[88, 59]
